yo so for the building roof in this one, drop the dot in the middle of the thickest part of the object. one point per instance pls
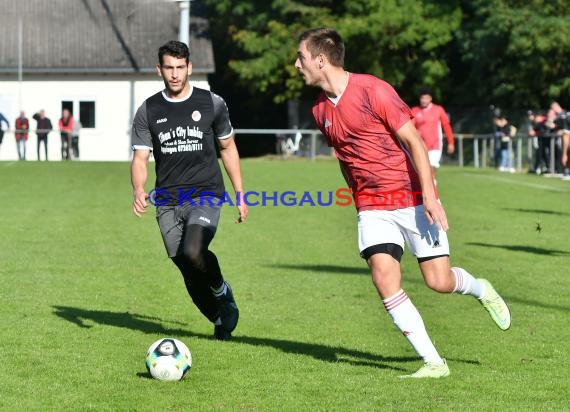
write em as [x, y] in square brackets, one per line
[86, 36]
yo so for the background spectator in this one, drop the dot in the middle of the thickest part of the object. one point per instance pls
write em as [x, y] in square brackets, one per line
[2, 121]
[66, 128]
[503, 133]
[43, 127]
[539, 129]
[562, 127]
[75, 138]
[551, 135]
[22, 126]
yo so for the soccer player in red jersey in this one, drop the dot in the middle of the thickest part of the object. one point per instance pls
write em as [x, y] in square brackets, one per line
[385, 163]
[429, 118]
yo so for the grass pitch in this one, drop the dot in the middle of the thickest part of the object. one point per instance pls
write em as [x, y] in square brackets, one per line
[87, 287]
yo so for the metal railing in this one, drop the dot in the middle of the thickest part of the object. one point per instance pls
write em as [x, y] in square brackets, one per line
[484, 150]
[483, 144]
[313, 133]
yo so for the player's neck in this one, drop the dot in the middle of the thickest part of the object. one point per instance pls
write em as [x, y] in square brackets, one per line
[336, 82]
[181, 95]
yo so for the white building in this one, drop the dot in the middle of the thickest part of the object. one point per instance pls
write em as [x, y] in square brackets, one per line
[95, 57]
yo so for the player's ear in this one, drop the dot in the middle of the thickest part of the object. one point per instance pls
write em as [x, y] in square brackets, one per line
[158, 70]
[189, 68]
[321, 60]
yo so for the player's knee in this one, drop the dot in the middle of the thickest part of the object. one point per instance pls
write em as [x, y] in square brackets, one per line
[383, 279]
[194, 255]
[439, 282]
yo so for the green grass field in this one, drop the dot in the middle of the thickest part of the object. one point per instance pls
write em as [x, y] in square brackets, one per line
[86, 287]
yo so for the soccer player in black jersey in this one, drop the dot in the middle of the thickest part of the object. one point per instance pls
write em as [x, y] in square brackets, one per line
[181, 126]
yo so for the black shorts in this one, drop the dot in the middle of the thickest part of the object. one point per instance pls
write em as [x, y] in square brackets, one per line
[172, 221]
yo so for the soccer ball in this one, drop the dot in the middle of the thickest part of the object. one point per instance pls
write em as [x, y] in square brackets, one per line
[168, 359]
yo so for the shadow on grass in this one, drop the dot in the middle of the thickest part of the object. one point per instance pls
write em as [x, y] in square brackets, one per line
[144, 375]
[349, 270]
[524, 248]
[411, 279]
[535, 303]
[334, 269]
[537, 211]
[153, 325]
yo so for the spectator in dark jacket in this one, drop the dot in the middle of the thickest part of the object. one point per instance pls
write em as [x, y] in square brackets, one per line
[503, 134]
[43, 127]
[3, 120]
[562, 123]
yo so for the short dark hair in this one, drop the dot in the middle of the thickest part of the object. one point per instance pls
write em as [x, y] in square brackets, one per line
[175, 49]
[425, 90]
[326, 41]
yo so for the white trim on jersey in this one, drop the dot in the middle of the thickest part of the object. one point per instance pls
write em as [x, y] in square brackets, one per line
[168, 99]
[140, 147]
[230, 134]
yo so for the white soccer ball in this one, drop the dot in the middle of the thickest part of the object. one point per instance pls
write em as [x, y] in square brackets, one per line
[168, 359]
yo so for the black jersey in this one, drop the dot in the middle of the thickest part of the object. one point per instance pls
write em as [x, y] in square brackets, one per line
[181, 134]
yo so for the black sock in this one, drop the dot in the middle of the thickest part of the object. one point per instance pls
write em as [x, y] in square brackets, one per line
[195, 249]
[198, 289]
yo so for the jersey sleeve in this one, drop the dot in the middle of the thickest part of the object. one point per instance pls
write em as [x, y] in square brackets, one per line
[141, 138]
[444, 119]
[415, 110]
[222, 126]
[390, 108]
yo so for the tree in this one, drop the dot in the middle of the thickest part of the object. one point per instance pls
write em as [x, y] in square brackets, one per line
[401, 41]
[514, 53]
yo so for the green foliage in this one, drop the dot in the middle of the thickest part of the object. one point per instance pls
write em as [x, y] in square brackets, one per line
[516, 52]
[401, 41]
[263, 35]
[506, 52]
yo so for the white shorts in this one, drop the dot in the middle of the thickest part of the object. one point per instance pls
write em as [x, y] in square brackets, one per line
[434, 157]
[408, 225]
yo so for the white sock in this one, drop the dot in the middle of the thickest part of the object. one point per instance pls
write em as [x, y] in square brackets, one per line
[220, 291]
[409, 321]
[466, 284]
[218, 321]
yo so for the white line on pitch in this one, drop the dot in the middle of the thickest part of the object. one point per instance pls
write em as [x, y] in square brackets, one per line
[516, 182]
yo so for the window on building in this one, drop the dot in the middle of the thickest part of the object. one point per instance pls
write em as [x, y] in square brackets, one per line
[87, 114]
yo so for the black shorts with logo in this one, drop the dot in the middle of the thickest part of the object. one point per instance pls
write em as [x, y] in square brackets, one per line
[172, 221]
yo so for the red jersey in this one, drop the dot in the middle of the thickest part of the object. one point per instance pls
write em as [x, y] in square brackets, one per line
[361, 128]
[429, 122]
